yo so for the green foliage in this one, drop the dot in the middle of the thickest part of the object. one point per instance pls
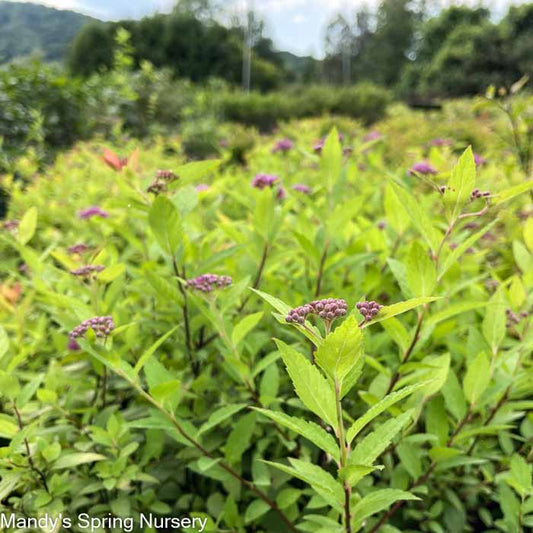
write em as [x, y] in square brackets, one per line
[210, 403]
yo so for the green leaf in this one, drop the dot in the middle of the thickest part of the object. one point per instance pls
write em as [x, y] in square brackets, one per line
[437, 419]
[453, 396]
[477, 378]
[462, 248]
[255, 510]
[196, 170]
[378, 408]
[409, 455]
[494, 322]
[341, 351]
[319, 479]
[111, 273]
[310, 385]
[511, 192]
[395, 212]
[240, 437]
[389, 311]
[4, 342]
[331, 159]
[375, 502]
[528, 233]
[8, 428]
[27, 226]
[352, 474]
[419, 216]
[150, 351]
[421, 272]
[75, 459]
[311, 431]
[460, 184]
[245, 326]
[219, 416]
[371, 447]
[166, 225]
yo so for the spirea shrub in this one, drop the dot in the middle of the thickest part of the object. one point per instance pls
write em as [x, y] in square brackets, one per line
[355, 357]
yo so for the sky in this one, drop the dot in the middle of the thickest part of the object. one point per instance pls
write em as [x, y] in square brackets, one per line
[295, 25]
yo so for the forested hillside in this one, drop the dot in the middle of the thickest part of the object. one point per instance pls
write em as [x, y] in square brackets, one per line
[26, 29]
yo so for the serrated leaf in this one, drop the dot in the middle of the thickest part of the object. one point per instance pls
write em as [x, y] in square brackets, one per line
[421, 273]
[371, 447]
[111, 273]
[319, 479]
[166, 225]
[76, 459]
[27, 226]
[341, 351]
[494, 321]
[511, 192]
[245, 326]
[418, 216]
[352, 474]
[378, 408]
[310, 385]
[219, 416]
[389, 311]
[375, 502]
[311, 431]
[460, 184]
[255, 510]
[152, 349]
[462, 248]
[331, 159]
[477, 378]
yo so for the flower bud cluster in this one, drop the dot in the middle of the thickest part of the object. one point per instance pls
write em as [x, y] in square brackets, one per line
[513, 318]
[86, 271]
[77, 248]
[368, 309]
[328, 309]
[161, 181]
[423, 167]
[10, 224]
[301, 187]
[261, 181]
[91, 212]
[283, 145]
[476, 193]
[208, 282]
[101, 325]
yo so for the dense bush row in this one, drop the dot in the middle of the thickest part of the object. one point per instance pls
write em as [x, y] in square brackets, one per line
[43, 108]
[142, 374]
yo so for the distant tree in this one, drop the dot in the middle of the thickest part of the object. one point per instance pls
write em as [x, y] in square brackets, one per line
[517, 29]
[92, 50]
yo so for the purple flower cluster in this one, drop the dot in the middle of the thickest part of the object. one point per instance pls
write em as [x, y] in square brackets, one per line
[208, 282]
[283, 145]
[301, 187]
[328, 309]
[86, 271]
[479, 160]
[368, 309]
[261, 181]
[101, 325]
[10, 225]
[423, 167]
[77, 248]
[93, 211]
[476, 193]
[440, 142]
[202, 187]
[513, 319]
[281, 194]
[373, 135]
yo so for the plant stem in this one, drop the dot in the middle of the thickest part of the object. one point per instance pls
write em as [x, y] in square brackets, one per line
[408, 352]
[320, 273]
[248, 484]
[194, 366]
[344, 458]
[258, 276]
[423, 478]
[28, 452]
